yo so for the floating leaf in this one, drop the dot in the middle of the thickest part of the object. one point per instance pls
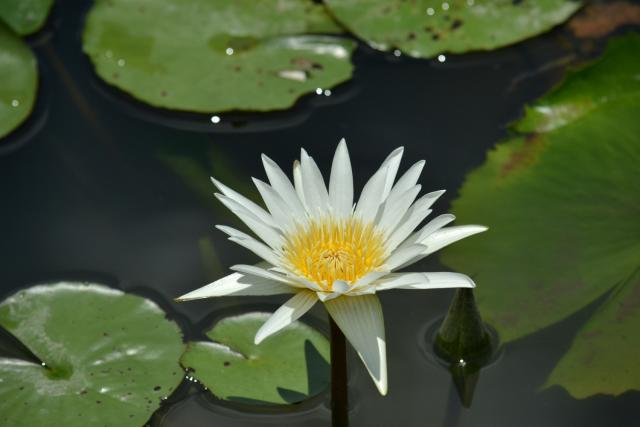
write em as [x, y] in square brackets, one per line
[286, 368]
[19, 77]
[563, 205]
[212, 56]
[604, 356]
[25, 16]
[425, 28]
[109, 357]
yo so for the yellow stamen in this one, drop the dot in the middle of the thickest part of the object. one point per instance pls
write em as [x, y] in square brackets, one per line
[329, 250]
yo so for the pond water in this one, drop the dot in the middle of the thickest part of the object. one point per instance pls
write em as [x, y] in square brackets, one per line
[95, 187]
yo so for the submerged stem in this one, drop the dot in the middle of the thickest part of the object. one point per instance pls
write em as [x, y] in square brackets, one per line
[339, 392]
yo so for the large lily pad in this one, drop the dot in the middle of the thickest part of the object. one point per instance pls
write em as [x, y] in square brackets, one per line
[563, 204]
[19, 77]
[216, 55]
[110, 357]
[286, 368]
[25, 16]
[424, 28]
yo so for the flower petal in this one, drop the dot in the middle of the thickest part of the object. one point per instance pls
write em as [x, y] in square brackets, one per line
[288, 313]
[371, 197]
[249, 205]
[244, 240]
[238, 284]
[395, 208]
[297, 180]
[433, 225]
[392, 162]
[281, 184]
[341, 182]
[280, 211]
[444, 237]
[400, 256]
[254, 270]
[360, 319]
[424, 281]
[264, 231]
[315, 191]
[408, 179]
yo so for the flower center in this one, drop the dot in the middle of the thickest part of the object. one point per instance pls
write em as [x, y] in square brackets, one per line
[329, 250]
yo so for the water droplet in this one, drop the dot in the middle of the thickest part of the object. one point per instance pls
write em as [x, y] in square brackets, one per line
[442, 58]
[319, 91]
[445, 6]
[462, 363]
[43, 364]
[121, 62]
[215, 119]
[327, 92]
[431, 11]
[397, 52]
[15, 103]
[108, 54]
[229, 51]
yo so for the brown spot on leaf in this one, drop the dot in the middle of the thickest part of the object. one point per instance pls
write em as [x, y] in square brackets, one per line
[525, 156]
[599, 19]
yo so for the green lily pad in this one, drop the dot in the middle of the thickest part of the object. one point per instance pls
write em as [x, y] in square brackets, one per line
[25, 16]
[425, 28]
[220, 55]
[563, 205]
[287, 367]
[110, 357]
[19, 77]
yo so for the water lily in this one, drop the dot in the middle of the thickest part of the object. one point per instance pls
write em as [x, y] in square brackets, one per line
[319, 246]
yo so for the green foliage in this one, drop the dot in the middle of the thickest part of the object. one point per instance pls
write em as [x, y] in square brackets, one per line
[25, 16]
[212, 56]
[110, 357]
[562, 204]
[19, 77]
[287, 367]
[424, 28]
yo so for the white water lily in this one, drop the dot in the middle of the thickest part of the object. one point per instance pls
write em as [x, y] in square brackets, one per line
[320, 246]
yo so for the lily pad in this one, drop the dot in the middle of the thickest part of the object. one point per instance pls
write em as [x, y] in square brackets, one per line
[288, 367]
[424, 28]
[19, 77]
[25, 16]
[109, 357]
[216, 55]
[563, 205]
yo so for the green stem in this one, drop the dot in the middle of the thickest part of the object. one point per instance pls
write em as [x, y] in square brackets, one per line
[339, 392]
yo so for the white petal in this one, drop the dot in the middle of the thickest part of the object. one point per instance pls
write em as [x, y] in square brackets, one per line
[258, 248]
[408, 179]
[249, 205]
[444, 237]
[264, 231]
[297, 180]
[281, 184]
[424, 281]
[360, 319]
[315, 191]
[395, 209]
[366, 281]
[402, 255]
[238, 284]
[288, 313]
[393, 163]
[371, 197]
[341, 182]
[280, 211]
[433, 225]
[253, 270]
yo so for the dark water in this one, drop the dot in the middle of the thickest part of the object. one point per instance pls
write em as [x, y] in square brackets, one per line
[87, 193]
